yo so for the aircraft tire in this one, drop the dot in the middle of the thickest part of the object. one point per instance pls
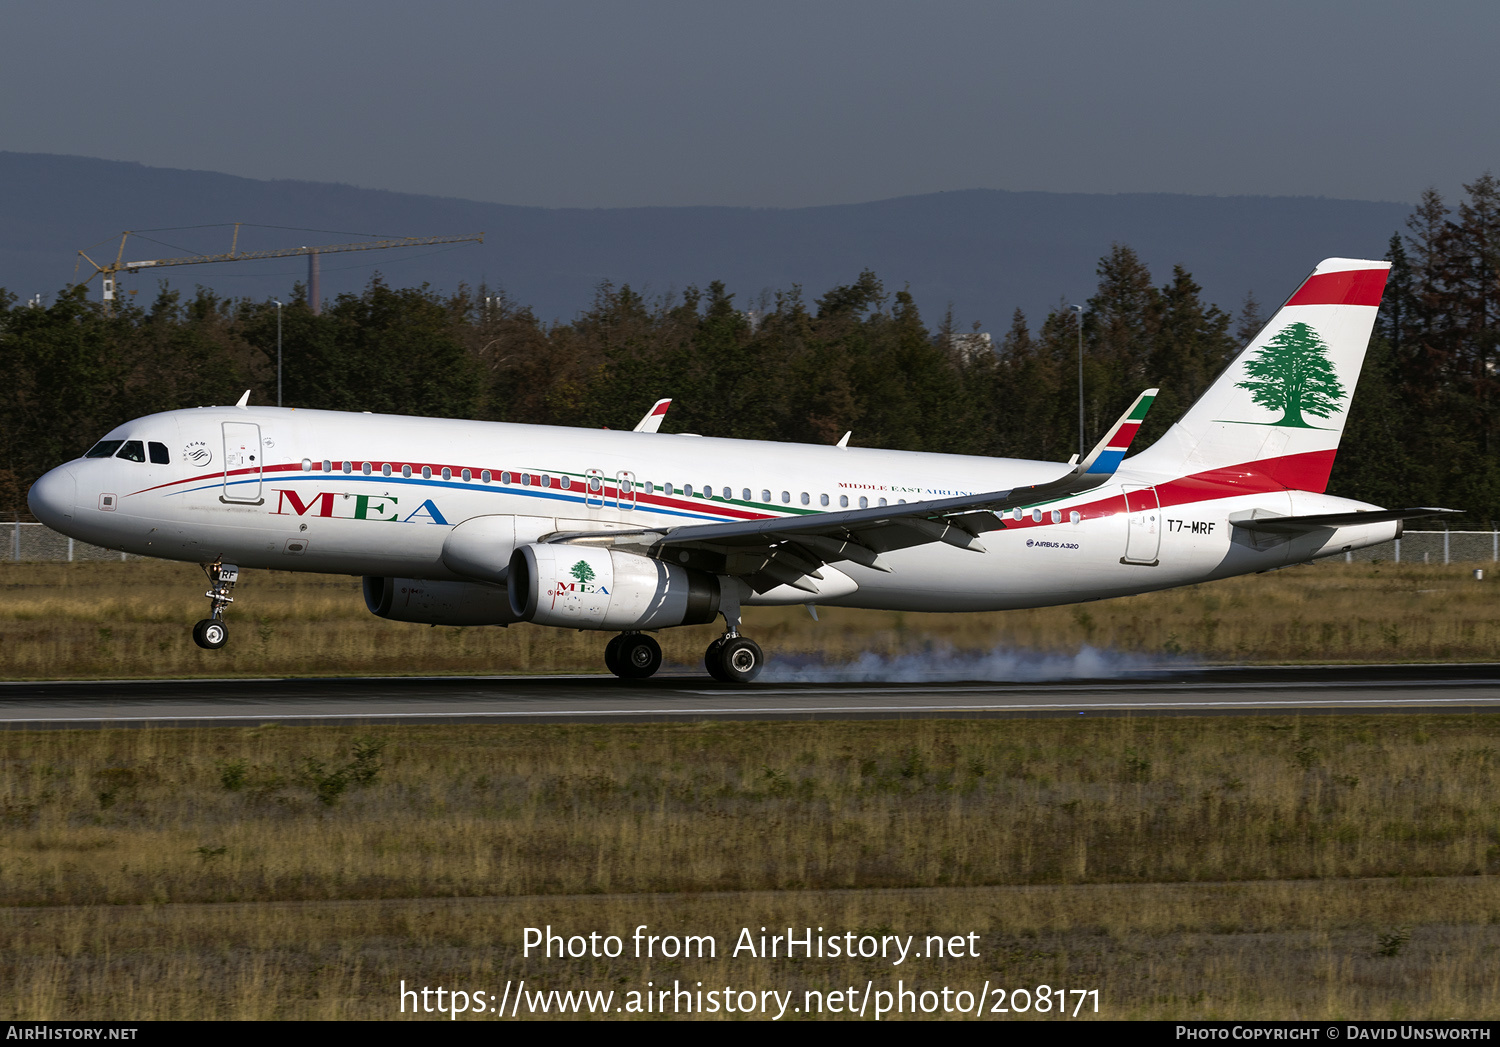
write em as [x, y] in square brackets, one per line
[638, 655]
[210, 634]
[713, 663]
[740, 660]
[612, 655]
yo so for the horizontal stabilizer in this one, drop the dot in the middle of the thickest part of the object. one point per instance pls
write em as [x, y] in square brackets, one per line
[1303, 524]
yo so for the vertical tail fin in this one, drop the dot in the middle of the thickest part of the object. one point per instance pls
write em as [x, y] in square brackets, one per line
[1278, 410]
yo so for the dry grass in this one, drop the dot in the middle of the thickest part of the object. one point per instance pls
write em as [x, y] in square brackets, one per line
[213, 873]
[137, 816]
[1262, 950]
[132, 619]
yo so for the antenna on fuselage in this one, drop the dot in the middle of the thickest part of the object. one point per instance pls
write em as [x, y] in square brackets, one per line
[243, 401]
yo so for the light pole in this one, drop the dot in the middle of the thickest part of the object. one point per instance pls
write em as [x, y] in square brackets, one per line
[1079, 310]
[278, 358]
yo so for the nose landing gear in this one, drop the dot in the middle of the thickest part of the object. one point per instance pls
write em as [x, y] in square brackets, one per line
[211, 633]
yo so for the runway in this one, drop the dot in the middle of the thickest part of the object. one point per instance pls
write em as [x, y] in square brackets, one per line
[686, 698]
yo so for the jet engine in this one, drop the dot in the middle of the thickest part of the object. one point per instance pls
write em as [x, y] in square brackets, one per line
[437, 603]
[589, 587]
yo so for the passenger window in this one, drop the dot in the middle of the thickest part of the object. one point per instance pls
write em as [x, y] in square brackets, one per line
[365, 468]
[485, 476]
[668, 489]
[104, 449]
[806, 498]
[765, 496]
[843, 501]
[567, 483]
[687, 489]
[159, 454]
[447, 473]
[650, 487]
[822, 499]
[1073, 517]
[427, 472]
[525, 479]
[504, 476]
[133, 451]
[728, 494]
[745, 495]
[467, 475]
[406, 470]
[882, 501]
[385, 469]
[348, 467]
[864, 503]
[786, 497]
[307, 465]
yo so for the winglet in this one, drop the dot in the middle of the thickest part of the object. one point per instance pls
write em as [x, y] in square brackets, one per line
[652, 420]
[1105, 458]
[244, 400]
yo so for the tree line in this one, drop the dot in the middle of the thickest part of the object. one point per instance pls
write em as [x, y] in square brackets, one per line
[1422, 428]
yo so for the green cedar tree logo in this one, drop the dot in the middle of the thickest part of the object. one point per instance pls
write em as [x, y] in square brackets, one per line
[582, 571]
[1293, 375]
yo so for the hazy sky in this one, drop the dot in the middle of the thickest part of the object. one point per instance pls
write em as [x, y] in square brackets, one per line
[605, 104]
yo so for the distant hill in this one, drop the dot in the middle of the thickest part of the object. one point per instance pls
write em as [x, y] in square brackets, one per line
[983, 251]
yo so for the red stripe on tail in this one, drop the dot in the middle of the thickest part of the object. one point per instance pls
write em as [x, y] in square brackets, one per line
[1351, 287]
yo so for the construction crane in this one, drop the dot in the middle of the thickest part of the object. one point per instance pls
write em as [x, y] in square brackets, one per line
[110, 272]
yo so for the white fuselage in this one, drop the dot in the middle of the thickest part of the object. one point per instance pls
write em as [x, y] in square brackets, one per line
[366, 494]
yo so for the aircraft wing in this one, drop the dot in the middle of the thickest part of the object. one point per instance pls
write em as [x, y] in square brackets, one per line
[651, 421]
[789, 550]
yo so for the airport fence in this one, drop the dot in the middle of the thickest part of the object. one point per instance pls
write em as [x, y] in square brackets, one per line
[38, 543]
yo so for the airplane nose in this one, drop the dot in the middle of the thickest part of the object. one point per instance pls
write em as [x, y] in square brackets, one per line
[52, 498]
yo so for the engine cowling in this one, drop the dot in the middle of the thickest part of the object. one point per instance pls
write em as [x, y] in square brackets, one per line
[437, 603]
[588, 587]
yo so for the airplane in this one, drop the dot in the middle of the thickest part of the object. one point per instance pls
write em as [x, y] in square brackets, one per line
[633, 532]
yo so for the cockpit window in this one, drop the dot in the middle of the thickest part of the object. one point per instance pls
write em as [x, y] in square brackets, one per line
[133, 451]
[104, 449]
[159, 454]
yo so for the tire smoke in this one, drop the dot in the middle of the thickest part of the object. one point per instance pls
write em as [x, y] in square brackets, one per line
[944, 664]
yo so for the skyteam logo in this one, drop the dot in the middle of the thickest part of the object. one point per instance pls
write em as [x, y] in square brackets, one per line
[198, 453]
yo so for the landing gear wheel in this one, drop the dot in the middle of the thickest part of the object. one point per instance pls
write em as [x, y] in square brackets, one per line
[734, 659]
[712, 663]
[612, 655]
[210, 634]
[639, 656]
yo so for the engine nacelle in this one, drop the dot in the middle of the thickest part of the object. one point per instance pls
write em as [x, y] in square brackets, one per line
[588, 587]
[437, 603]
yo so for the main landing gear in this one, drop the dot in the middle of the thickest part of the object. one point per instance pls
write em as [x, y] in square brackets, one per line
[212, 633]
[632, 656]
[733, 658]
